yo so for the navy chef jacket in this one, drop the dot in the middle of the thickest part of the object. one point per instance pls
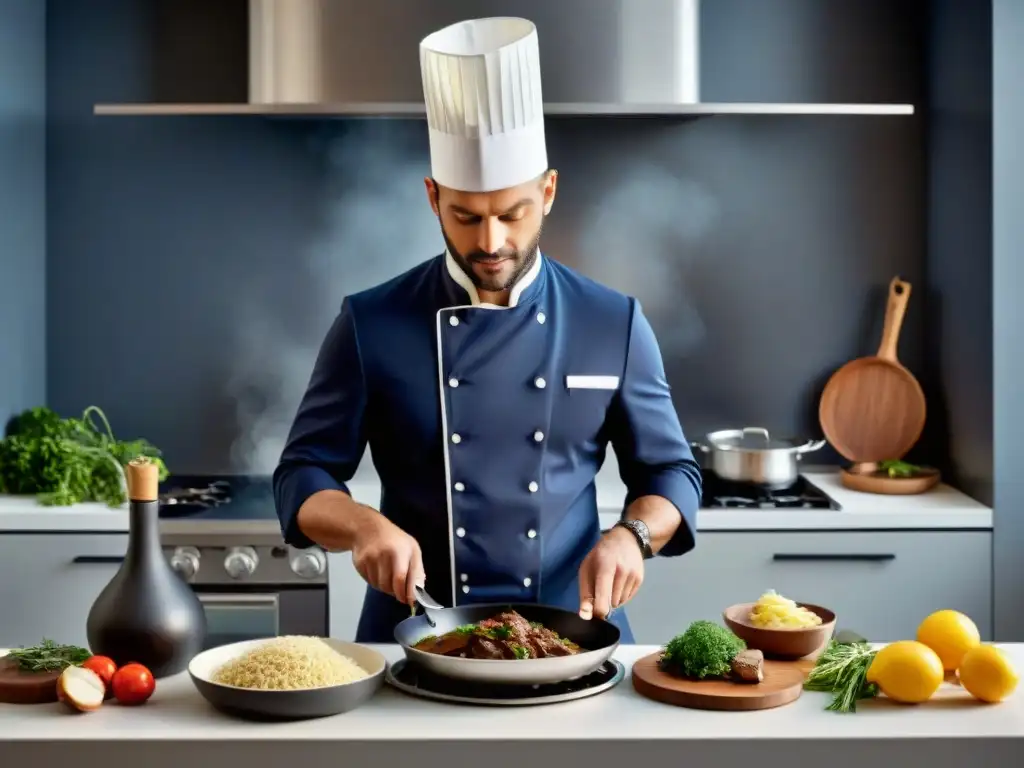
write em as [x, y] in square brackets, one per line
[487, 426]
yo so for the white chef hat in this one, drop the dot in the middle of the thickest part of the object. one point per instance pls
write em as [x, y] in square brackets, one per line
[485, 112]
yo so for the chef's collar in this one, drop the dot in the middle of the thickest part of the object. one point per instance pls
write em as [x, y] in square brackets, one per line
[516, 296]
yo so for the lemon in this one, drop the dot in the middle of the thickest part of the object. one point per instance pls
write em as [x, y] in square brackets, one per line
[908, 671]
[987, 673]
[950, 634]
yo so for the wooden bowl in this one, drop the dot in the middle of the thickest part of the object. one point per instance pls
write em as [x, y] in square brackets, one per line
[866, 478]
[781, 643]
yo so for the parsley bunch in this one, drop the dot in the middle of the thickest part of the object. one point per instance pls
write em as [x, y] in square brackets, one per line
[68, 461]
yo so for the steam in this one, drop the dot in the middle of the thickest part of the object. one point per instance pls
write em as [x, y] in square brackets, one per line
[641, 237]
[376, 224]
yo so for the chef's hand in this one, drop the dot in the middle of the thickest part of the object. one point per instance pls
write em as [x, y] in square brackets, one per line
[611, 574]
[389, 559]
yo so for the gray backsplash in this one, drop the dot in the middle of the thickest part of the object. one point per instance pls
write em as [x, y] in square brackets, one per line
[22, 205]
[195, 263]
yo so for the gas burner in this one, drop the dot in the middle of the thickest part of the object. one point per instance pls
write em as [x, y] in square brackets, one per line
[721, 494]
[787, 501]
[188, 500]
[732, 501]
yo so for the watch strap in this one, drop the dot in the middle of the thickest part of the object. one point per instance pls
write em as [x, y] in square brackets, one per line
[641, 533]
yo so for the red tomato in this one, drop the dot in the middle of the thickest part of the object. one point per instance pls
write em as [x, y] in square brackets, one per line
[102, 666]
[133, 684]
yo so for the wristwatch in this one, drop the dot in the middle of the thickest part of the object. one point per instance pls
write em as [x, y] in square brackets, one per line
[641, 533]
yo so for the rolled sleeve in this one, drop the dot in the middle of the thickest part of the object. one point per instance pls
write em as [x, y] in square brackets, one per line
[327, 438]
[653, 453]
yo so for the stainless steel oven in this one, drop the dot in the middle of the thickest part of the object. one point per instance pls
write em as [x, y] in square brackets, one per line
[254, 589]
[222, 535]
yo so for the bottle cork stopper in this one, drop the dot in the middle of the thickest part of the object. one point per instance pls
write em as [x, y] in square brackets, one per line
[143, 478]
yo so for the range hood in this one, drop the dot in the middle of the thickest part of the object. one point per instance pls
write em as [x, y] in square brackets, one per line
[351, 58]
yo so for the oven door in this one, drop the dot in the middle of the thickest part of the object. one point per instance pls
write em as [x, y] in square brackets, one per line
[234, 614]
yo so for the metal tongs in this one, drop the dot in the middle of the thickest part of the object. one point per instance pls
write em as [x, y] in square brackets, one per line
[429, 604]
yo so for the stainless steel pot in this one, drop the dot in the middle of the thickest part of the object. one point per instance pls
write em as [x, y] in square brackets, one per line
[752, 455]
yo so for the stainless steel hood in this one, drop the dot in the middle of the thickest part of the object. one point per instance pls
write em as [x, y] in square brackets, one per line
[599, 57]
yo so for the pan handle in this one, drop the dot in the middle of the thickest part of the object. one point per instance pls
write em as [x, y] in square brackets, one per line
[895, 309]
[810, 446]
[699, 446]
[429, 604]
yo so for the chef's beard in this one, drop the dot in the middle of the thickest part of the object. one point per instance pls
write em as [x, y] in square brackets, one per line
[522, 260]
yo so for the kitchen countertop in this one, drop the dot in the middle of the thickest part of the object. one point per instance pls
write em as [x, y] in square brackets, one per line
[942, 508]
[392, 727]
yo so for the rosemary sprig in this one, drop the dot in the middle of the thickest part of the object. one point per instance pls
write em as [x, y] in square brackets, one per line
[842, 670]
[48, 656]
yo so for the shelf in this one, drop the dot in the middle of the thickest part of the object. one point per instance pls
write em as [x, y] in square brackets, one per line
[407, 109]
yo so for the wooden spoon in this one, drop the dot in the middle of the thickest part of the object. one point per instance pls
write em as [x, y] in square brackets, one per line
[873, 409]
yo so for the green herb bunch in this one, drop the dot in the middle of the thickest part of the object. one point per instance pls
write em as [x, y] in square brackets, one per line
[68, 461]
[705, 649]
[48, 656]
[896, 468]
[842, 670]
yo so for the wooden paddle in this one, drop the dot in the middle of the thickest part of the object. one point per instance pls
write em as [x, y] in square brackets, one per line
[873, 409]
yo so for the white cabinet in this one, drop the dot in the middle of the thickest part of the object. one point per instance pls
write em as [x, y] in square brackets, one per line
[346, 593]
[48, 584]
[880, 584]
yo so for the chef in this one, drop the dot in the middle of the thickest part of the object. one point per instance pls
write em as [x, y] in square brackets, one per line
[488, 382]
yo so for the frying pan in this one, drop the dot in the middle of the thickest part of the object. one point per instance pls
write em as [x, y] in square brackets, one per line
[598, 638]
[873, 409]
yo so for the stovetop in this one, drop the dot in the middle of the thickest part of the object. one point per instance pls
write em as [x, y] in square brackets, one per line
[251, 497]
[218, 497]
[803, 494]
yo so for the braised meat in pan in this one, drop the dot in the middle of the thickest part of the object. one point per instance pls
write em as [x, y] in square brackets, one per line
[505, 636]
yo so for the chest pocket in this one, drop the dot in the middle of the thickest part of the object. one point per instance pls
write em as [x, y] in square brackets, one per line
[583, 407]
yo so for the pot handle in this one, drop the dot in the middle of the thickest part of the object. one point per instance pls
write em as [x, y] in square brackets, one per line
[699, 447]
[811, 446]
[758, 431]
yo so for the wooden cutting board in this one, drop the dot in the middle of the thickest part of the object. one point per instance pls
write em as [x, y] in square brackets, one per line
[18, 687]
[783, 682]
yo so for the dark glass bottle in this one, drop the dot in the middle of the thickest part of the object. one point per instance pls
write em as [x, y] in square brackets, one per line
[147, 613]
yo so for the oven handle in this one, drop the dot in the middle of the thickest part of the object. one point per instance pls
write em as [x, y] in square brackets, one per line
[239, 601]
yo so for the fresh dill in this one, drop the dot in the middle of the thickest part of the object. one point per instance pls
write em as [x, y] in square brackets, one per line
[842, 671]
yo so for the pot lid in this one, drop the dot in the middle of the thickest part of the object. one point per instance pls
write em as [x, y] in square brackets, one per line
[750, 439]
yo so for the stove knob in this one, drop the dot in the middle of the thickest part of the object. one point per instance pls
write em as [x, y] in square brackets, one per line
[241, 562]
[308, 563]
[185, 561]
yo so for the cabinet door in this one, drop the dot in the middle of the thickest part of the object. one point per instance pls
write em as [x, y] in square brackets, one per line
[346, 591]
[48, 584]
[879, 584]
